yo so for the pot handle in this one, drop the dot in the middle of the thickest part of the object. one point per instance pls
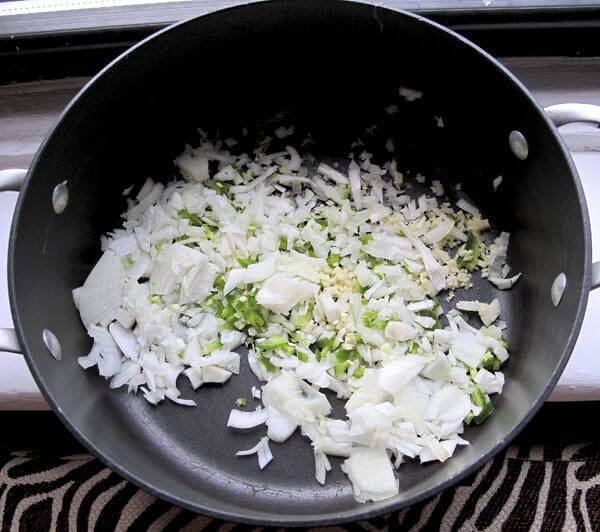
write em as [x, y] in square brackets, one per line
[567, 113]
[11, 179]
[595, 275]
[9, 341]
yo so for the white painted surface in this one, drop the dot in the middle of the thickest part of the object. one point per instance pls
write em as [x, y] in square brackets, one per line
[581, 378]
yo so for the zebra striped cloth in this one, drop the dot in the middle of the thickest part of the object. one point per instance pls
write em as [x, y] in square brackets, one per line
[539, 487]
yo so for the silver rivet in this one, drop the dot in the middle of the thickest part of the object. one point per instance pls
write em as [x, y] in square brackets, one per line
[60, 197]
[558, 288]
[518, 145]
[52, 343]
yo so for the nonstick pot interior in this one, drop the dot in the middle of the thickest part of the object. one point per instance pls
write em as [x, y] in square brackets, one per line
[333, 67]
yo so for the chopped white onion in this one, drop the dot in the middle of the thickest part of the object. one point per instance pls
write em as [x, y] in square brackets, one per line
[247, 419]
[101, 295]
[371, 474]
[262, 450]
[330, 279]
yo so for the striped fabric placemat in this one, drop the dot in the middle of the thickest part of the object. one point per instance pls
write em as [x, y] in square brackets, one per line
[537, 487]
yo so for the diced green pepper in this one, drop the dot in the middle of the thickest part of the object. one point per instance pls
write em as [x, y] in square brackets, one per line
[252, 229]
[413, 347]
[306, 317]
[333, 260]
[254, 318]
[269, 366]
[472, 244]
[302, 357]
[298, 339]
[326, 342]
[219, 187]
[244, 262]
[209, 233]
[342, 356]
[219, 283]
[272, 343]
[369, 317]
[358, 288]
[490, 361]
[212, 301]
[483, 400]
[339, 368]
[212, 346]
[321, 222]
[226, 312]
[187, 215]
[288, 349]
[359, 372]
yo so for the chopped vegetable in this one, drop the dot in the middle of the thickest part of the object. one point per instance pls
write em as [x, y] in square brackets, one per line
[371, 474]
[483, 401]
[468, 254]
[241, 401]
[262, 450]
[242, 419]
[330, 275]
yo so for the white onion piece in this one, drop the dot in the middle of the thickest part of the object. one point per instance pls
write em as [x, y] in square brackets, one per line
[215, 374]
[282, 292]
[101, 295]
[242, 419]
[440, 232]
[279, 428]
[504, 284]
[125, 339]
[410, 95]
[371, 474]
[194, 168]
[332, 174]
[488, 313]
[467, 207]
[355, 184]
[173, 396]
[295, 159]
[106, 351]
[262, 450]
[399, 372]
[322, 466]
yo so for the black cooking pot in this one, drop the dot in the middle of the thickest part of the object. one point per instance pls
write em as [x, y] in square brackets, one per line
[332, 67]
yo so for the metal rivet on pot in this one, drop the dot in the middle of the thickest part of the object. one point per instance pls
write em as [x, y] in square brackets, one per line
[52, 343]
[60, 197]
[518, 145]
[558, 288]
